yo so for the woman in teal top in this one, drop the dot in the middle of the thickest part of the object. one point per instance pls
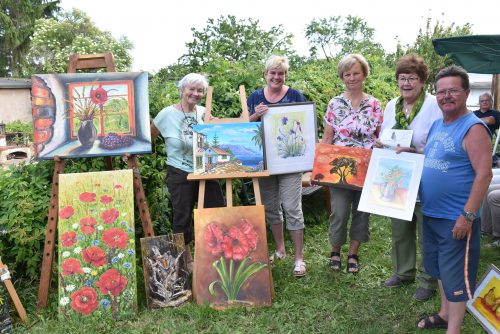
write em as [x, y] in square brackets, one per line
[175, 124]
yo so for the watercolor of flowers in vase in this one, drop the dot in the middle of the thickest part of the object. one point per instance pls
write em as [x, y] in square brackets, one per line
[234, 245]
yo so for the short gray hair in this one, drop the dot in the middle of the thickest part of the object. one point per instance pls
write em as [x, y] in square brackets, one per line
[192, 79]
[488, 95]
[348, 61]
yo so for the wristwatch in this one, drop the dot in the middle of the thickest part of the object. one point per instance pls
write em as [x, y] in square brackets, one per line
[469, 215]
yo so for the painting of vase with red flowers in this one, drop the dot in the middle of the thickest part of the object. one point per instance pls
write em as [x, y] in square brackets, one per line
[97, 263]
[231, 257]
[90, 114]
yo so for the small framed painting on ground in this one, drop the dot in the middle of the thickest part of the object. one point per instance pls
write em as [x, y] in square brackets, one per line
[340, 166]
[231, 257]
[290, 137]
[391, 184]
[484, 305]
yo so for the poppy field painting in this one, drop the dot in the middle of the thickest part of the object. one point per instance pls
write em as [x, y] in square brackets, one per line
[90, 114]
[231, 257]
[97, 265]
[340, 166]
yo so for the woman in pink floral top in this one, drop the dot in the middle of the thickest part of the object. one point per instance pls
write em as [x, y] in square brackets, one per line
[352, 119]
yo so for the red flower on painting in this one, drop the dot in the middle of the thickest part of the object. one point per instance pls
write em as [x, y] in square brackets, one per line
[99, 96]
[235, 245]
[115, 238]
[68, 239]
[105, 199]
[87, 197]
[111, 282]
[94, 255]
[66, 212]
[118, 186]
[214, 237]
[250, 234]
[109, 216]
[84, 301]
[71, 266]
[87, 225]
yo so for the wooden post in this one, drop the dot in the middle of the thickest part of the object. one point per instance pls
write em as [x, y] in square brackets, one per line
[12, 292]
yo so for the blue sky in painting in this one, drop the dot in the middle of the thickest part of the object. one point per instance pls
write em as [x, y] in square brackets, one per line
[385, 163]
[230, 133]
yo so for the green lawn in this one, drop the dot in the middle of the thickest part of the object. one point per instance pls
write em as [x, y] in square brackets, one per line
[322, 302]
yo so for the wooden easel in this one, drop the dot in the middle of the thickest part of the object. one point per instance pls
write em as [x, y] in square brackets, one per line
[76, 62]
[12, 291]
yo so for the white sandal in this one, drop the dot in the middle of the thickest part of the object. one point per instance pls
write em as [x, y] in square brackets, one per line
[276, 255]
[300, 269]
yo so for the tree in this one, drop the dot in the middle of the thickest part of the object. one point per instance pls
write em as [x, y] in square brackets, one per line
[234, 40]
[17, 26]
[74, 33]
[336, 36]
[423, 45]
[215, 140]
[343, 167]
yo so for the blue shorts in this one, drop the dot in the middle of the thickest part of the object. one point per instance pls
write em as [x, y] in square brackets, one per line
[444, 257]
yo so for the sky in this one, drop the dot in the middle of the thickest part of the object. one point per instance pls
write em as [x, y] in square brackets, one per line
[160, 29]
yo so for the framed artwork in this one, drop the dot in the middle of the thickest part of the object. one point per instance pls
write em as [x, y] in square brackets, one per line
[90, 114]
[391, 184]
[392, 138]
[485, 306]
[97, 270]
[231, 257]
[5, 320]
[289, 137]
[227, 148]
[165, 271]
[340, 166]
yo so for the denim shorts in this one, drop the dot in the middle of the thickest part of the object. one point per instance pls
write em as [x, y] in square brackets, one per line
[444, 257]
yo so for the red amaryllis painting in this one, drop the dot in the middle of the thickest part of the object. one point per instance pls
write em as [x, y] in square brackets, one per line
[70, 267]
[68, 239]
[111, 282]
[66, 212]
[87, 197]
[99, 95]
[94, 255]
[115, 238]
[235, 245]
[105, 199]
[109, 216]
[84, 301]
[214, 236]
[87, 225]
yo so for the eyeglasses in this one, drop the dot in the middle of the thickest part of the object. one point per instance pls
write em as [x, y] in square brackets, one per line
[452, 92]
[484, 101]
[410, 80]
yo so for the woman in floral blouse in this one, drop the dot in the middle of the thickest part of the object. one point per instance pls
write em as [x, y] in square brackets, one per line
[352, 119]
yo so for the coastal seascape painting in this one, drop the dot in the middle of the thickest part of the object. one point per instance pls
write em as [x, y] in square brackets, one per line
[289, 137]
[391, 184]
[90, 114]
[228, 148]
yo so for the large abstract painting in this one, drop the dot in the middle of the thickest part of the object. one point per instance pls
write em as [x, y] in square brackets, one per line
[90, 114]
[165, 271]
[231, 257]
[97, 263]
[340, 166]
[391, 184]
[484, 305]
[289, 137]
[227, 148]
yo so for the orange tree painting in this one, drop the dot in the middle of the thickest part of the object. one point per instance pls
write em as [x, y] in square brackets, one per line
[97, 270]
[340, 166]
[231, 257]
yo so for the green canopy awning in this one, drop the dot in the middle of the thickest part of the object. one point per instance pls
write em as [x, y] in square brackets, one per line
[475, 53]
